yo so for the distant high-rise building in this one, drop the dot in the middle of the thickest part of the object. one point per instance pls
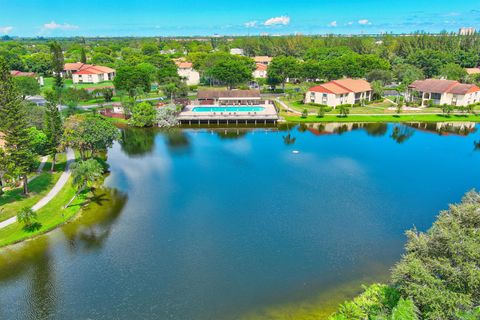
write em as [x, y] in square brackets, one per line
[466, 31]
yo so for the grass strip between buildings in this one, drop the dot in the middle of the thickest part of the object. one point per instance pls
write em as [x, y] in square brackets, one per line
[385, 118]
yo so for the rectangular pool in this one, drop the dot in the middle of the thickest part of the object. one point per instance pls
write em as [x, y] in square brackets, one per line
[229, 109]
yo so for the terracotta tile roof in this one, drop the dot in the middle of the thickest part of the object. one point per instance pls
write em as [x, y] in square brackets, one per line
[343, 86]
[76, 66]
[184, 65]
[354, 85]
[95, 70]
[17, 73]
[261, 67]
[443, 86]
[463, 89]
[262, 59]
[473, 70]
[215, 94]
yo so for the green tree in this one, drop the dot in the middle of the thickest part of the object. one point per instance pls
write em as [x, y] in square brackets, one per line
[27, 86]
[28, 217]
[344, 110]
[90, 134]
[453, 71]
[406, 74]
[83, 55]
[143, 115]
[377, 88]
[57, 62]
[102, 59]
[84, 175]
[440, 269]
[283, 68]
[15, 127]
[384, 76]
[231, 71]
[130, 79]
[53, 128]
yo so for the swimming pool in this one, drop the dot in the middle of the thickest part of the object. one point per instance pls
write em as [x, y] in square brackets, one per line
[229, 109]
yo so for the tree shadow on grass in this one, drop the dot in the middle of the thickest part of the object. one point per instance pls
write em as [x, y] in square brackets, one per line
[40, 184]
[32, 227]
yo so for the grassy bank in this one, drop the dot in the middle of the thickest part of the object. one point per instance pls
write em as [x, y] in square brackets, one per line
[50, 216]
[13, 200]
[385, 118]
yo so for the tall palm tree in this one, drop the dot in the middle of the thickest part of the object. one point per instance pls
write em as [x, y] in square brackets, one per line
[84, 175]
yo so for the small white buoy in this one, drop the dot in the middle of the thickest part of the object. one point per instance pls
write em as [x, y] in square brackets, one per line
[295, 152]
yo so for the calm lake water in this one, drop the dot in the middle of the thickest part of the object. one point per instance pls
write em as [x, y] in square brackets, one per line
[241, 223]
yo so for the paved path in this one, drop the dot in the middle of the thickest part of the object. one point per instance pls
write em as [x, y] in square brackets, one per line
[53, 192]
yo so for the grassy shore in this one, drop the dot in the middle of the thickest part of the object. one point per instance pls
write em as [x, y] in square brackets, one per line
[385, 118]
[49, 217]
[13, 200]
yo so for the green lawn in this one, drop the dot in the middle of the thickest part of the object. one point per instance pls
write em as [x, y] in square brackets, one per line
[13, 200]
[385, 118]
[49, 81]
[50, 216]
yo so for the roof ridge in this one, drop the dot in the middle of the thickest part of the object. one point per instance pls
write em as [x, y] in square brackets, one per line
[341, 86]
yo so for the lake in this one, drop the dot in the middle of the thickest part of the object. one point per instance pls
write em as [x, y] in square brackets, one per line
[242, 223]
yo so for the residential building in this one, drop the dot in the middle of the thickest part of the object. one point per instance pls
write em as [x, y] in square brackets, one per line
[263, 60]
[93, 74]
[261, 71]
[237, 51]
[442, 92]
[466, 31]
[72, 67]
[16, 73]
[337, 92]
[471, 71]
[186, 72]
[228, 97]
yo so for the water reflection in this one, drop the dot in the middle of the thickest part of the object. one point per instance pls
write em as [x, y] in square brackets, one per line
[401, 133]
[92, 229]
[31, 264]
[137, 142]
[445, 128]
[177, 140]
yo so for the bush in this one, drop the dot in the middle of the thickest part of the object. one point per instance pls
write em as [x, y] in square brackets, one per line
[304, 113]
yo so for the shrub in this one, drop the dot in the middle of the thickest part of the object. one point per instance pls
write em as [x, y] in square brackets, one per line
[304, 113]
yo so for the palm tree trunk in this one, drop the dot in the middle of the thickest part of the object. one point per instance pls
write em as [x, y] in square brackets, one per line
[54, 157]
[73, 198]
[25, 184]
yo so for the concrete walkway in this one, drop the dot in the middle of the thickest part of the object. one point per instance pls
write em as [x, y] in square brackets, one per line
[53, 192]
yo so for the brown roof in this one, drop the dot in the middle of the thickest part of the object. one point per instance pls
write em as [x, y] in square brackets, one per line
[184, 65]
[473, 70]
[16, 73]
[216, 94]
[76, 66]
[262, 59]
[261, 67]
[343, 86]
[443, 86]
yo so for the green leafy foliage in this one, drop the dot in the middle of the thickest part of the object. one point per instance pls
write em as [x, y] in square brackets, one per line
[143, 115]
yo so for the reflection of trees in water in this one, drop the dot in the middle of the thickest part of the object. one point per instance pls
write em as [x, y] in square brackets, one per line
[177, 139]
[445, 128]
[91, 231]
[476, 145]
[341, 129]
[137, 142]
[401, 134]
[375, 129]
[289, 139]
[33, 260]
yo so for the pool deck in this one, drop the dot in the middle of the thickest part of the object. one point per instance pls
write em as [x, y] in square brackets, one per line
[268, 115]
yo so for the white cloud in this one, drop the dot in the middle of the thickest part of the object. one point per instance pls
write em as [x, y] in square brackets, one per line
[251, 24]
[283, 20]
[350, 23]
[6, 30]
[364, 22]
[56, 26]
[333, 24]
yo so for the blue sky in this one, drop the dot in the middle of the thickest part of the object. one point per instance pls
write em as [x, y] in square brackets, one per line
[189, 17]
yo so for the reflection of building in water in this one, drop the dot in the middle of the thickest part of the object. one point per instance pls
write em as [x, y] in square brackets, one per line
[445, 128]
[372, 129]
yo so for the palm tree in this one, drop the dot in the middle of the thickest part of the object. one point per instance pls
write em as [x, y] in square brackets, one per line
[28, 217]
[84, 174]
